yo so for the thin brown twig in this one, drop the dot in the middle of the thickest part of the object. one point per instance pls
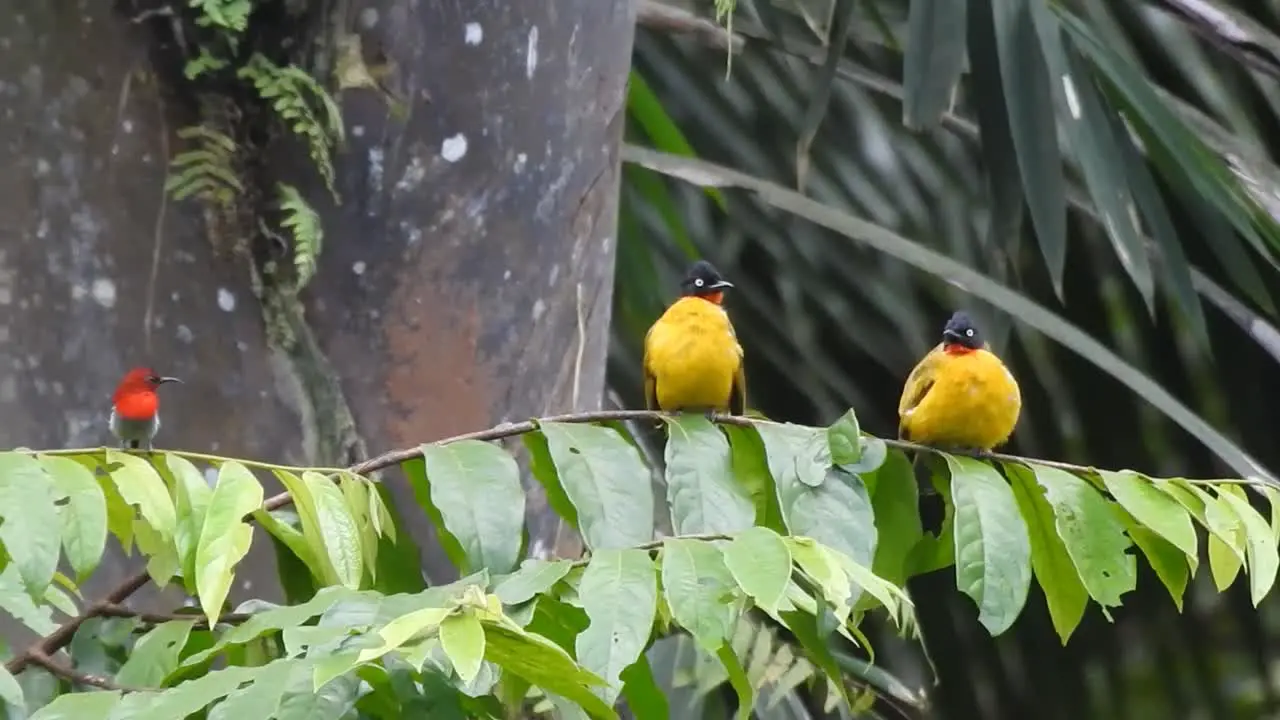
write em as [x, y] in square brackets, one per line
[59, 638]
[150, 618]
[47, 662]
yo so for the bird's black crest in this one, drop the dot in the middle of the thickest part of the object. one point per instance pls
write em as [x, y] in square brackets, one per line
[702, 277]
[960, 330]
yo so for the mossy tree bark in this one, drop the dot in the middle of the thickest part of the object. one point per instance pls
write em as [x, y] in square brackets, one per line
[466, 276]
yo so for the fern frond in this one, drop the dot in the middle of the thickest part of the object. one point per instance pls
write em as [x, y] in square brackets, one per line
[303, 223]
[304, 105]
[231, 15]
[202, 63]
[205, 171]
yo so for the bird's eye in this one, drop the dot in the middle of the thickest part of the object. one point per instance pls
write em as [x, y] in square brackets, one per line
[968, 333]
[698, 282]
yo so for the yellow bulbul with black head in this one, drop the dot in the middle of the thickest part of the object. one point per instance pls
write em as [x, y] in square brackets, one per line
[692, 359]
[960, 396]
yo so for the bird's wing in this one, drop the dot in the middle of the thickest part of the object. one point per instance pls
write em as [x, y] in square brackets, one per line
[650, 382]
[738, 396]
[918, 384]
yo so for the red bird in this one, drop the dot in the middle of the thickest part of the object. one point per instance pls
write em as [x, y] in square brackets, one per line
[135, 408]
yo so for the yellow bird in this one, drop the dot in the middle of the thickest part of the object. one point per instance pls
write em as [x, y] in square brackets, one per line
[960, 396]
[692, 359]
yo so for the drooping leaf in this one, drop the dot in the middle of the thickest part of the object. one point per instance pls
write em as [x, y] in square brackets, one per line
[534, 576]
[1155, 510]
[462, 638]
[355, 493]
[191, 501]
[1063, 592]
[699, 590]
[1094, 538]
[606, 480]
[16, 600]
[895, 507]
[751, 471]
[476, 486]
[619, 593]
[701, 488]
[814, 639]
[275, 619]
[933, 61]
[84, 516]
[28, 511]
[10, 691]
[155, 655]
[143, 488]
[738, 680]
[304, 503]
[545, 664]
[1260, 544]
[225, 538]
[760, 562]
[835, 510]
[644, 698]
[393, 635]
[993, 550]
[338, 531]
[193, 695]
[303, 702]
[1168, 561]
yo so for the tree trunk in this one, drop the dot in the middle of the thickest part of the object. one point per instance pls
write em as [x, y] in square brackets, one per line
[465, 280]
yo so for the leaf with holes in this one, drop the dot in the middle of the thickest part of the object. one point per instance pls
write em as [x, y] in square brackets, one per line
[28, 510]
[84, 516]
[993, 550]
[619, 593]
[1063, 592]
[700, 590]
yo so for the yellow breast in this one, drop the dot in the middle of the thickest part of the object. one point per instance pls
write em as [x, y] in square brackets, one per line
[692, 355]
[974, 403]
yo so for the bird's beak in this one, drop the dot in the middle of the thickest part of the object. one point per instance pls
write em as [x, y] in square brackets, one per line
[164, 380]
[720, 285]
[952, 336]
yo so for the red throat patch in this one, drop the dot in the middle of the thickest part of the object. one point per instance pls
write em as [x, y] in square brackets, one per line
[137, 404]
[715, 298]
[956, 349]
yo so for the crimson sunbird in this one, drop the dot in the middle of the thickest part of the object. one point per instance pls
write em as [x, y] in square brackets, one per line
[135, 408]
[692, 359]
[960, 396]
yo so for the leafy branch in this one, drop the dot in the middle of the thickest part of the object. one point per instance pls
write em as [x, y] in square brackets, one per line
[793, 523]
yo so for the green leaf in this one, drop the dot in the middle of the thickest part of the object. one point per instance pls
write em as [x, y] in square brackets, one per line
[844, 439]
[619, 593]
[700, 590]
[993, 551]
[339, 534]
[1168, 560]
[534, 577]
[293, 540]
[606, 480]
[821, 565]
[1063, 592]
[80, 706]
[933, 61]
[334, 701]
[543, 663]
[225, 539]
[1027, 89]
[701, 488]
[738, 680]
[1224, 563]
[261, 700]
[193, 695]
[355, 493]
[1153, 509]
[1260, 544]
[836, 511]
[192, 496]
[751, 470]
[16, 600]
[416, 472]
[394, 634]
[29, 512]
[10, 690]
[895, 503]
[304, 503]
[155, 655]
[644, 697]
[141, 486]
[462, 638]
[1218, 520]
[817, 646]
[760, 562]
[276, 619]
[84, 516]
[476, 486]
[1095, 540]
